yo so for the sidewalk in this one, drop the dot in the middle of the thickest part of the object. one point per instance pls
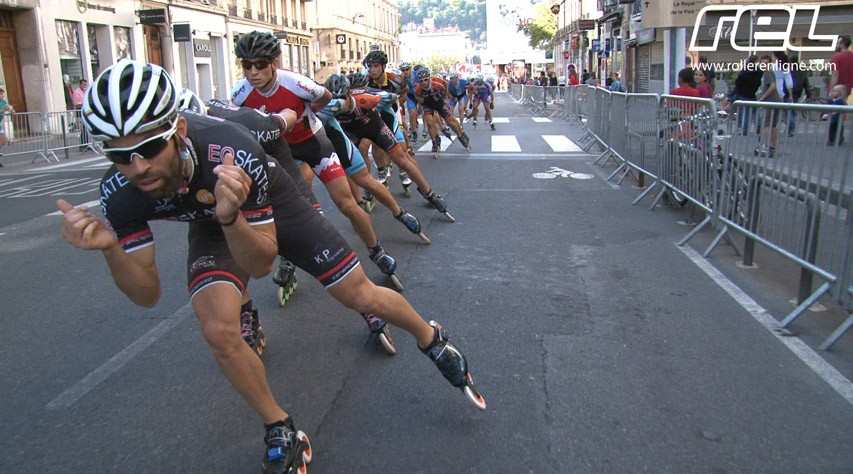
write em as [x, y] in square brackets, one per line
[21, 163]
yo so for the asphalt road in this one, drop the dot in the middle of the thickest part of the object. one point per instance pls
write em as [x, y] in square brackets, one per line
[600, 346]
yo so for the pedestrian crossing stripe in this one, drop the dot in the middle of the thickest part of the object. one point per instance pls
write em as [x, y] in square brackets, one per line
[505, 143]
[445, 144]
[500, 119]
[541, 119]
[560, 143]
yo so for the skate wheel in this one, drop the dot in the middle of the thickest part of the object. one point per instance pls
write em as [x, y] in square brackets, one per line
[282, 296]
[307, 453]
[395, 280]
[425, 238]
[262, 344]
[386, 342]
[475, 397]
[450, 216]
[406, 192]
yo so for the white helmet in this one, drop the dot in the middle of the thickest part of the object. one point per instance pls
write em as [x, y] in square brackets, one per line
[128, 98]
[189, 101]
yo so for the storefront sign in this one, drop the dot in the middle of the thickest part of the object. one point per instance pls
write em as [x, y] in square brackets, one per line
[293, 39]
[181, 32]
[586, 25]
[596, 44]
[83, 6]
[18, 3]
[202, 48]
[154, 16]
[671, 13]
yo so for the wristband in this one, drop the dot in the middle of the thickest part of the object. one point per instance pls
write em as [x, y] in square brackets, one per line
[223, 224]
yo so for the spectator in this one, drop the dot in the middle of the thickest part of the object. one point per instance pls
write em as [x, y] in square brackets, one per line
[615, 83]
[552, 79]
[843, 61]
[4, 109]
[836, 125]
[686, 84]
[585, 77]
[573, 76]
[702, 85]
[746, 85]
[800, 84]
[710, 74]
[78, 93]
[774, 84]
[541, 80]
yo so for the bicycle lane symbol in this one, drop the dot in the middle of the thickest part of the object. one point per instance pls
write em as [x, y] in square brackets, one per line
[555, 172]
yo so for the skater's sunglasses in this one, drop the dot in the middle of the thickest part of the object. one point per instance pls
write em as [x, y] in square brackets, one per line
[259, 65]
[146, 149]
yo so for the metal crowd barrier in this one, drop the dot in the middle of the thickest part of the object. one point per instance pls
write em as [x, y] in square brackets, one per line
[43, 134]
[516, 90]
[780, 175]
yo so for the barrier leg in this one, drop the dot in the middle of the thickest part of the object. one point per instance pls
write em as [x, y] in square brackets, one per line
[695, 231]
[644, 193]
[836, 335]
[812, 299]
[657, 199]
[617, 171]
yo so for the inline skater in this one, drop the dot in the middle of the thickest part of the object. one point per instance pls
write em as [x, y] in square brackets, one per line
[482, 93]
[241, 212]
[431, 94]
[270, 89]
[356, 111]
[458, 90]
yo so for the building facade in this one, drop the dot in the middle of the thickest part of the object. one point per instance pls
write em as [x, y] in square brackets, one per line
[346, 31]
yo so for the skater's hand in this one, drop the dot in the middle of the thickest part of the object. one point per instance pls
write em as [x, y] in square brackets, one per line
[287, 119]
[232, 189]
[83, 230]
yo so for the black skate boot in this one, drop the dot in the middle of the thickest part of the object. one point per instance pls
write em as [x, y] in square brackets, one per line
[446, 132]
[436, 146]
[413, 224]
[438, 203]
[414, 137]
[251, 330]
[367, 202]
[452, 365]
[386, 263]
[465, 141]
[405, 181]
[285, 278]
[288, 451]
[380, 332]
[492, 126]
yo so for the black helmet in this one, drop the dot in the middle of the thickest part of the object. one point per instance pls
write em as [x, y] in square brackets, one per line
[338, 85]
[358, 79]
[375, 57]
[422, 73]
[128, 98]
[257, 44]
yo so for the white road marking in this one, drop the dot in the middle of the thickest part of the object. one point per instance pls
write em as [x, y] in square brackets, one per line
[105, 164]
[500, 119]
[597, 171]
[505, 143]
[50, 186]
[805, 353]
[116, 362]
[541, 119]
[65, 165]
[445, 144]
[560, 143]
[87, 205]
[4, 182]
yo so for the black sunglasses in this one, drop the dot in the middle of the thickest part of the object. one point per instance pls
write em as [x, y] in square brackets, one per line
[259, 64]
[147, 149]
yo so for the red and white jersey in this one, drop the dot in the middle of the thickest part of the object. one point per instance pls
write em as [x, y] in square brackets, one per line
[291, 91]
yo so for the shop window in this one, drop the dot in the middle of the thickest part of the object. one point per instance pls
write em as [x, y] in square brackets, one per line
[70, 62]
[94, 56]
[123, 43]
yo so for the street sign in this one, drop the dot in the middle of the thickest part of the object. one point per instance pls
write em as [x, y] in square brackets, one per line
[341, 39]
[202, 48]
[585, 25]
[181, 32]
[154, 16]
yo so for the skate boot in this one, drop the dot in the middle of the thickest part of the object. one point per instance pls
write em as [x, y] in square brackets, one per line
[492, 126]
[383, 174]
[414, 137]
[380, 332]
[406, 182]
[367, 202]
[446, 132]
[436, 146]
[387, 264]
[465, 141]
[251, 330]
[288, 451]
[285, 278]
[474, 123]
[413, 224]
[438, 203]
[452, 365]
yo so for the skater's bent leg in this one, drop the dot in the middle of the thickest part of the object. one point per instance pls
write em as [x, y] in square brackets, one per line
[382, 159]
[217, 307]
[342, 196]
[356, 190]
[410, 166]
[366, 181]
[451, 120]
[307, 175]
[357, 292]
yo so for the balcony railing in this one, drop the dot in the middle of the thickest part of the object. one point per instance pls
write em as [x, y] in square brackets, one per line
[304, 25]
[232, 10]
[274, 20]
[262, 16]
[247, 13]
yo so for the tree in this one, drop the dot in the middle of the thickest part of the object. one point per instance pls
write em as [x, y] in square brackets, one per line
[440, 62]
[542, 28]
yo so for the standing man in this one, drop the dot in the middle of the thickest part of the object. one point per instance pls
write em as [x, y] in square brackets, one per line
[77, 95]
